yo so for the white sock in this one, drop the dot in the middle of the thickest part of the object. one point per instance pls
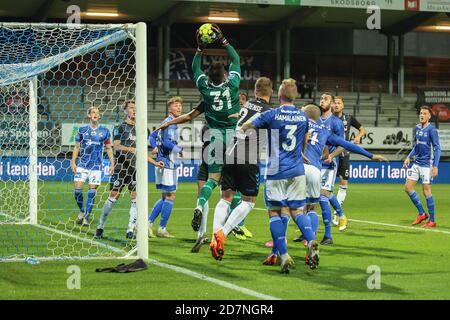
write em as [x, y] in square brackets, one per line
[203, 225]
[237, 215]
[133, 216]
[105, 212]
[220, 214]
[342, 193]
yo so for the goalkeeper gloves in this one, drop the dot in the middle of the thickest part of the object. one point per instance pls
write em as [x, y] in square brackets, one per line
[219, 34]
[200, 44]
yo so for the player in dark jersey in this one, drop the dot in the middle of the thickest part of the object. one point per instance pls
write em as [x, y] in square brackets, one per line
[125, 169]
[344, 159]
[241, 171]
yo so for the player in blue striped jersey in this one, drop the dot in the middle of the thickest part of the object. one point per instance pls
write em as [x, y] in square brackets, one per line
[319, 137]
[329, 170]
[285, 173]
[90, 141]
[166, 140]
[427, 153]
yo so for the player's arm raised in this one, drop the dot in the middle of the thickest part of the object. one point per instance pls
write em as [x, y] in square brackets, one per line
[75, 152]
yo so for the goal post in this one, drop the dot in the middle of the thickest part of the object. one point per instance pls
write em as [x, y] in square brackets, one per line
[50, 74]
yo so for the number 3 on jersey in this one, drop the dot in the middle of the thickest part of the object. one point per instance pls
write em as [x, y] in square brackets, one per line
[290, 136]
[218, 99]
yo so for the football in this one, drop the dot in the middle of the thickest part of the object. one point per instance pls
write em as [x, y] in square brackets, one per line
[206, 33]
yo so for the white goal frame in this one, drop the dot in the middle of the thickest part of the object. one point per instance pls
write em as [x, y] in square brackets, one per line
[139, 36]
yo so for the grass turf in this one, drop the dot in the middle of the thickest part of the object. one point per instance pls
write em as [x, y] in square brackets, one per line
[413, 262]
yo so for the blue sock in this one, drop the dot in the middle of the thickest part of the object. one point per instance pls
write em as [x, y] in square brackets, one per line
[335, 203]
[242, 223]
[326, 214]
[157, 207]
[416, 200]
[285, 219]
[430, 206]
[165, 213]
[304, 224]
[90, 202]
[314, 221]
[278, 234]
[78, 193]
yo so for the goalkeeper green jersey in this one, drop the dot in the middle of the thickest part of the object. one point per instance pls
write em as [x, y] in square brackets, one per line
[220, 101]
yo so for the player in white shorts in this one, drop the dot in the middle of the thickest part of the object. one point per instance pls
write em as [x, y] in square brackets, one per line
[90, 141]
[166, 141]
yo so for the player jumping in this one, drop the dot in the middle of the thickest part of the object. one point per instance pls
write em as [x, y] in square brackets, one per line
[427, 153]
[89, 144]
[221, 107]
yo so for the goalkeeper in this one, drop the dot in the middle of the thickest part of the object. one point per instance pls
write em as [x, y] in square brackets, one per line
[221, 107]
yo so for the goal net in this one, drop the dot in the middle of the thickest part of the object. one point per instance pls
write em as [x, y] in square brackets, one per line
[49, 76]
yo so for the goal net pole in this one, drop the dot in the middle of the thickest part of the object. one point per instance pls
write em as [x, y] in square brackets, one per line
[141, 140]
[33, 153]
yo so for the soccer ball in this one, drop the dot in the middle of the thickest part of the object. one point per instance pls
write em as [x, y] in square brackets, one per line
[206, 34]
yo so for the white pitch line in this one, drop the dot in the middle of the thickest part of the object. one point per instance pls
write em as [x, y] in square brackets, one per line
[221, 283]
[387, 224]
[399, 226]
[184, 271]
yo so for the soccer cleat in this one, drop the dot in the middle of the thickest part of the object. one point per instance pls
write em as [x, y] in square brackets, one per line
[198, 244]
[301, 238]
[420, 218]
[430, 224]
[343, 222]
[286, 263]
[163, 233]
[85, 222]
[335, 219]
[326, 241]
[80, 218]
[99, 233]
[150, 231]
[213, 249]
[238, 233]
[196, 219]
[271, 260]
[129, 235]
[220, 238]
[247, 232]
[312, 258]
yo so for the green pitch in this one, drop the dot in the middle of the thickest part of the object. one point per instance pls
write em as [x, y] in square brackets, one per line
[413, 262]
